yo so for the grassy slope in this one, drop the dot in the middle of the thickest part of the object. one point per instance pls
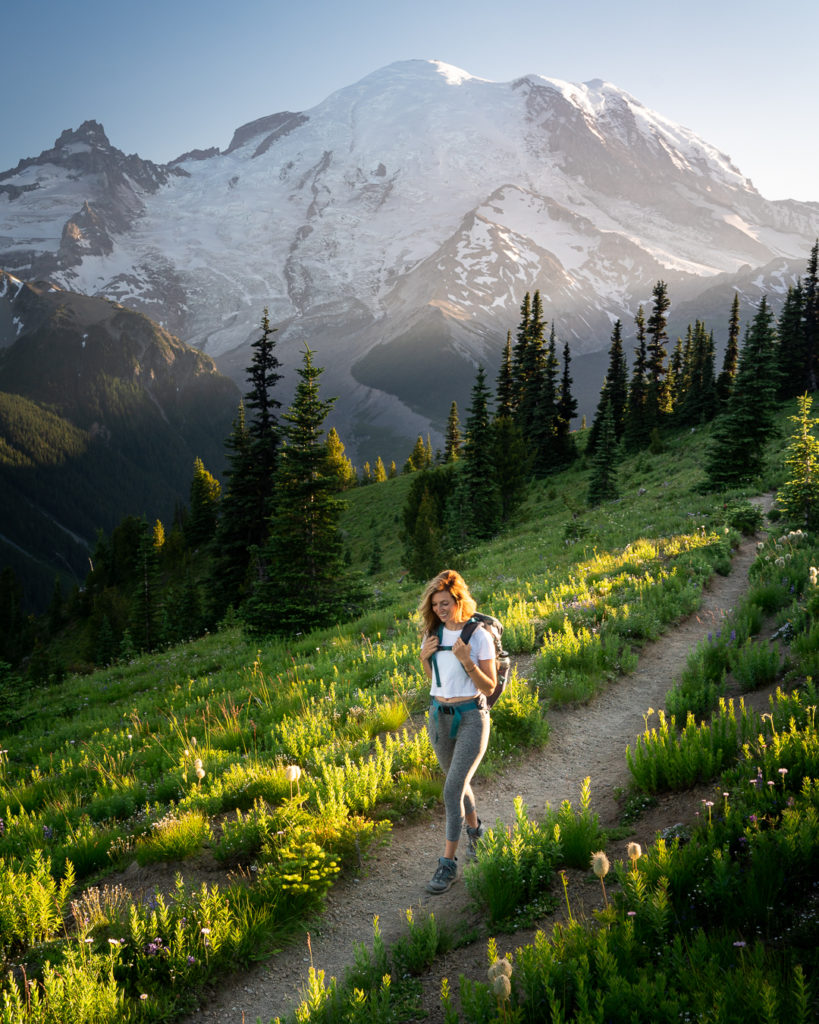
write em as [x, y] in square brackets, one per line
[124, 739]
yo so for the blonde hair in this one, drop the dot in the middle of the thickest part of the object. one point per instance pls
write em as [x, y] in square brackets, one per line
[453, 582]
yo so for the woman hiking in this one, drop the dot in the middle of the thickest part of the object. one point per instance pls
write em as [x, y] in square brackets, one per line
[461, 676]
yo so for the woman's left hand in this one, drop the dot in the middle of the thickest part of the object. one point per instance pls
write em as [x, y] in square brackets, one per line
[462, 652]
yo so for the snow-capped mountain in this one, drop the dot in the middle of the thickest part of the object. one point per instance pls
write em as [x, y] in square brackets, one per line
[395, 228]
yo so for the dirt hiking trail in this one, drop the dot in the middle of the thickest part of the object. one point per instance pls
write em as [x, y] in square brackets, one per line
[585, 741]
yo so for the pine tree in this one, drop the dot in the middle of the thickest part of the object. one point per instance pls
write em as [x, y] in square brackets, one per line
[144, 618]
[505, 391]
[740, 436]
[799, 496]
[302, 583]
[534, 371]
[429, 537]
[418, 458]
[810, 290]
[340, 466]
[476, 509]
[566, 410]
[205, 490]
[428, 552]
[636, 435]
[602, 482]
[791, 349]
[452, 447]
[512, 464]
[520, 355]
[614, 390]
[541, 436]
[725, 381]
[379, 473]
[656, 402]
[698, 401]
[238, 527]
[263, 429]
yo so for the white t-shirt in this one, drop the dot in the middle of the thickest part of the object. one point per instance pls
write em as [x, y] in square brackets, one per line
[454, 679]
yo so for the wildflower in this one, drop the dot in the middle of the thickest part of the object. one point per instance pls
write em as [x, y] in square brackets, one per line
[205, 931]
[292, 773]
[631, 913]
[48, 832]
[739, 944]
[191, 960]
[200, 773]
[144, 996]
[600, 864]
[780, 562]
[114, 942]
[500, 968]
[634, 852]
[2, 827]
[502, 987]
[783, 772]
[197, 763]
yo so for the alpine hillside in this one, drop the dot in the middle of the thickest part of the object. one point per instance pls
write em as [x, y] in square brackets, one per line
[102, 416]
[395, 227]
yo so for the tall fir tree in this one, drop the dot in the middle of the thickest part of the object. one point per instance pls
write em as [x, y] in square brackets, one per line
[476, 509]
[532, 374]
[541, 435]
[791, 349]
[302, 580]
[203, 510]
[262, 425]
[636, 435]
[146, 600]
[810, 289]
[697, 402]
[565, 411]
[740, 435]
[340, 466]
[656, 403]
[238, 527]
[614, 390]
[519, 352]
[452, 447]
[603, 478]
[505, 391]
[725, 381]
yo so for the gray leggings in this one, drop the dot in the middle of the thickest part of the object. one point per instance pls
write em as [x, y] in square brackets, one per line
[459, 756]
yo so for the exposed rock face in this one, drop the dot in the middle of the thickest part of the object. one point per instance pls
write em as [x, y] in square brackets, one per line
[399, 223]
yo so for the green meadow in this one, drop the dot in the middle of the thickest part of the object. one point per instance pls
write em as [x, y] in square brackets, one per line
[285, 762]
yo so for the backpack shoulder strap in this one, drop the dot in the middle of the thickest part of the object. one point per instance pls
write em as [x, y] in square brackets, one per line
[469, 629]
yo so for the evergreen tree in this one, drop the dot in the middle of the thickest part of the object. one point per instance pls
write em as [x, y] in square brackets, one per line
[698, 401]
[799, 496]
[656, 401]
[566, 410]
[144, 618]
[200, 525]
[301, 582]
[505, 392]
[534, 371]
[476, 508]
[427, 540]
[520, 355]
[725, 381]
[810, 291]
[379, 473]
[602, 482]
[636, 434]
[741, 434]
[238, 527]
[340, 466]
[792, 357]
[542, 433]
[419, 458]
[512, 464]
[614, 390]
[452, 447]
[263, 432]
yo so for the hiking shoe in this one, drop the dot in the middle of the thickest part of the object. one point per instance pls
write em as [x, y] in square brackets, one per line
[444, 876]
[473, 836]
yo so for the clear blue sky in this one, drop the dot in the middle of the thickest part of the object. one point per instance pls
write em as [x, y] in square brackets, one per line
[166, 76]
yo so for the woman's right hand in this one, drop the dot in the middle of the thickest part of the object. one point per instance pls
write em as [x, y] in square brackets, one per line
[429, 647]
